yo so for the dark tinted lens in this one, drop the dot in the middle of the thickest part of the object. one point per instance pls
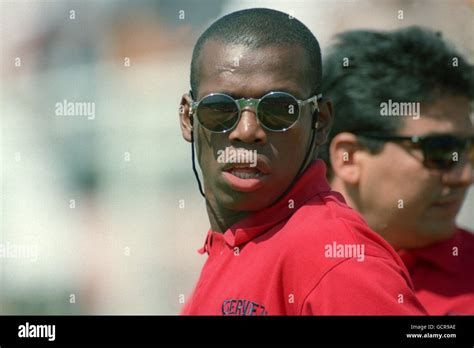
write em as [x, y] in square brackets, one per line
[443, 152]
[278, 111]
[471, 151]
[217, 113]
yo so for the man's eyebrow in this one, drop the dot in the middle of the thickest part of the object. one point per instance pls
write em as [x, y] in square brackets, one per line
[443, 133]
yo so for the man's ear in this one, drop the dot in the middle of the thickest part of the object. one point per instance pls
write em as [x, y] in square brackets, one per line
[185, 117]
[345, 162]
[324, 121]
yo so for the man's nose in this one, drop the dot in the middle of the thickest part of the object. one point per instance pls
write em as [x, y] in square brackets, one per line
[248, 130]
[462, 174]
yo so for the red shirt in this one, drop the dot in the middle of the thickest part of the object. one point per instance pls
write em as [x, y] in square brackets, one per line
[307, 254]
[443, 274]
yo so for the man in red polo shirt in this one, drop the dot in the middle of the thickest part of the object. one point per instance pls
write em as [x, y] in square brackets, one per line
[407, 174]
[281, 242]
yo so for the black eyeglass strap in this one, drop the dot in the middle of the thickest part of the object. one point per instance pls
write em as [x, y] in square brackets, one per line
[194, 161]
[314, 129]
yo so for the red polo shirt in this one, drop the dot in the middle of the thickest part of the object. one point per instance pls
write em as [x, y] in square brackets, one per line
[307, 254]
[443, 274]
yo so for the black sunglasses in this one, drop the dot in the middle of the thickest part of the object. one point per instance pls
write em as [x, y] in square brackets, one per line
[438, 150]
[276, 111]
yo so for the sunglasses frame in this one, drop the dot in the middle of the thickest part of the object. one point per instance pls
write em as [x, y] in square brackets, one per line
[418, 141]
[254, 103]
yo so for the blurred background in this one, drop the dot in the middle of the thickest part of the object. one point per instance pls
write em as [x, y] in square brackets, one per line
[100, 211]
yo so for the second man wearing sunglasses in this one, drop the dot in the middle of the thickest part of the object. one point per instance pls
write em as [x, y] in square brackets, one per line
[408, 175]
[280, 243]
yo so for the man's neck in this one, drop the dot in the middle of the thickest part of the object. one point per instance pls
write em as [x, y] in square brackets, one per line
[338, 186]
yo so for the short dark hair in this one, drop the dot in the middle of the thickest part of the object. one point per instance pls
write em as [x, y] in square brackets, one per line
[261, 27]
[412, 64]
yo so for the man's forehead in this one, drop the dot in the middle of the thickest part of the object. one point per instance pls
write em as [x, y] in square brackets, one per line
[448, 114]
[230, 66]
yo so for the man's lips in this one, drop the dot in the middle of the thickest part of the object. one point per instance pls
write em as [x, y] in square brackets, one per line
[243, 177]
[447, 203]
[451, 204]
[261, 166]
[449, 200]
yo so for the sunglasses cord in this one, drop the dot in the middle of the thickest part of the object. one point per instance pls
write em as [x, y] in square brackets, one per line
[308, 152]
[194, 165]
[302, 168]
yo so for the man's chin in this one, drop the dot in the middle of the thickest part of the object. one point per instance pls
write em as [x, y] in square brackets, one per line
[229, 198]
[438, 229]
[243, 201]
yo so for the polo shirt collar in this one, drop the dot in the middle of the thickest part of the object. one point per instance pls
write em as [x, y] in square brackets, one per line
[311, 182]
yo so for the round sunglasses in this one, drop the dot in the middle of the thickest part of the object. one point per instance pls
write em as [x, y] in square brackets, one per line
[276, 111]
[438, 149]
